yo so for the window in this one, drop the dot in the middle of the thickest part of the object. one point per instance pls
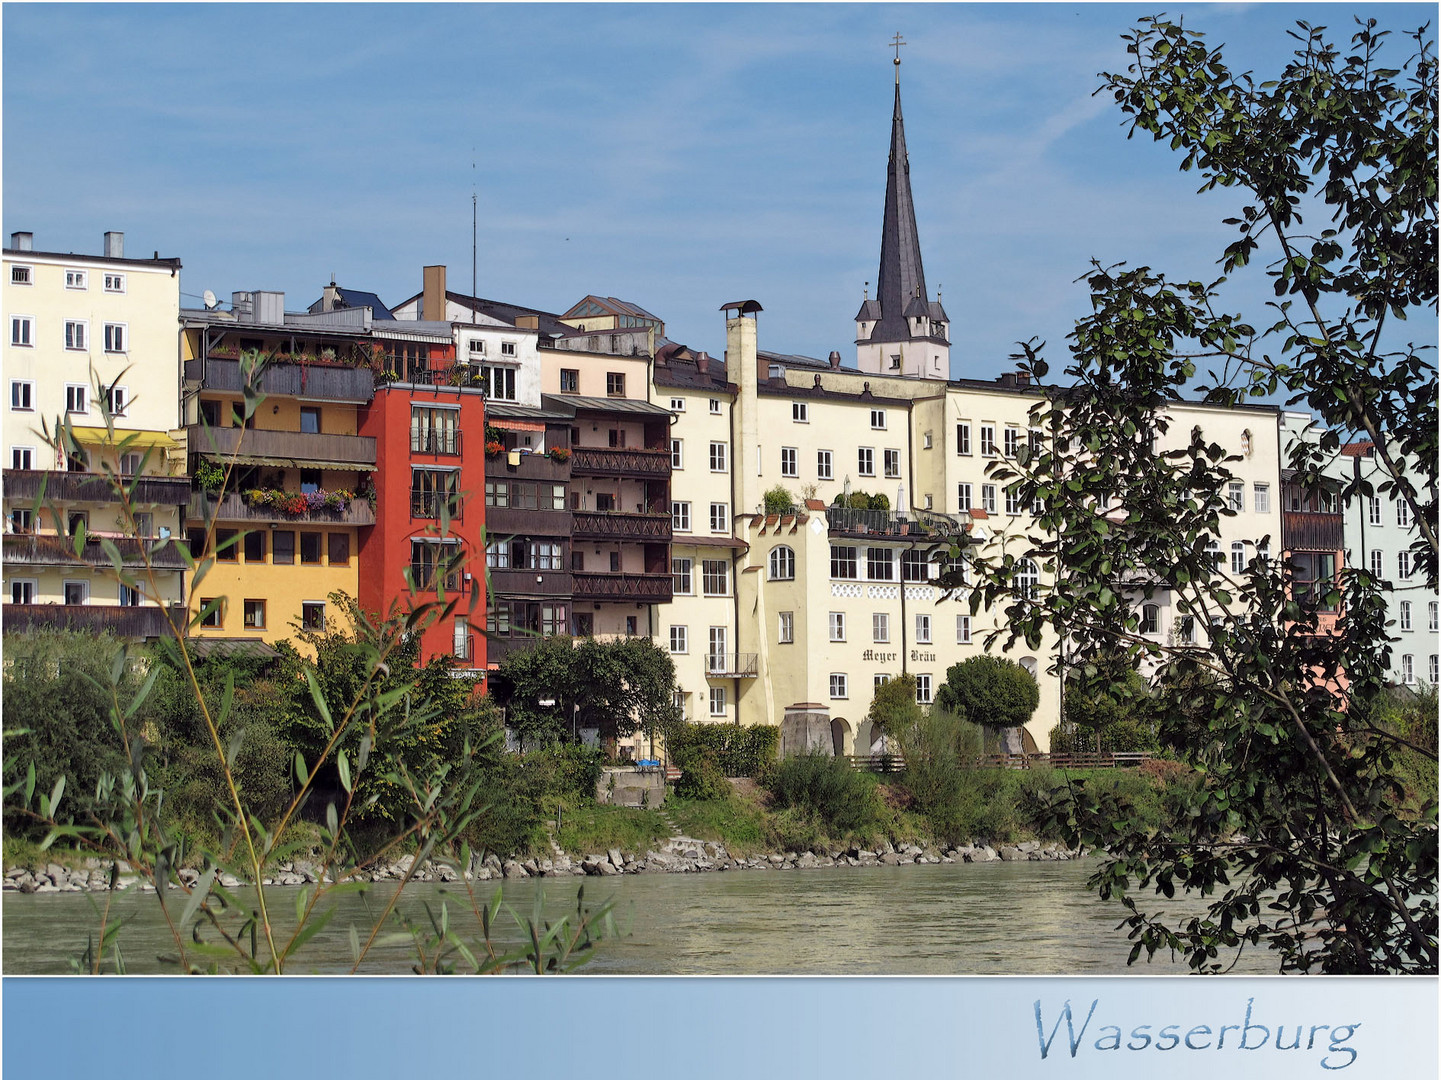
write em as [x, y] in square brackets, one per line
[1262, 498]
[880, 564]
[312, 615]
[677, 455]
[131, 462]
[22, 590]
[914, 566]
[227, 545]
[923, 689]
[1236, 495]
[476, 347]
[866, 461]
[718, 456]
[22, 396]
[75, 334]
[1013, 500]
[77, 592]
[1186, 630]
[789, 463]
[282, 548]
[719, 518]
[786, 632]
[1432, 616]
[615, 562]
[963, 439]
[963, 629]
[254, 545]
[1313, 574]
[20, 328]
[838, 685]
[499, 382]
[1432, 670]
[570, 381]
[823, 465]
[79, 522]
[838, 625]
[115, 337]
[1028, 578]
[1150, 619]
[1213, 549]
[927, 440]
[782, 563]
[1373, 505]
[310, 545]
[116, 398]
[310, 420]
[1404, 614]
[880, 627]
[310, 479]
[715, 577]
[255, 614]
[878, 419]
[1403, 565]
[988, 498]
[75, 279]
[715, 406]
[1403, 513]
[22, 457]
[717, 700]
[800, 412]
[879, 680]
[677, 404]
[615, 384]
[1377, 563]
[923, 629]
[497, 555]
[507, 348]
[843, 561]
[20, 275]
[1238, 557]
[680, 516]
[963, 497]
[76, 398]
[213, 617]
[1408, 668]
[1011, 441]
[23, 521]
[679, 639]
[988, 440]
[680, 576]
[893, 463]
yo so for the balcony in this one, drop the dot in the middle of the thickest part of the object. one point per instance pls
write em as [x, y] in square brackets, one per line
[299, 449]
[234, 508]
[93, 487]
[918, 523]
[601, 461]
[318, 382]
[617, 526]
[521, 584]
[427, 505]
[52, 550]
[732, 665]
[146, 622]
[527, 467]
[438, 443]
[648, 588]
[1312, 532]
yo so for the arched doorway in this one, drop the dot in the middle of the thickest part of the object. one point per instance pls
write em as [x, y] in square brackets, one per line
[841, 744]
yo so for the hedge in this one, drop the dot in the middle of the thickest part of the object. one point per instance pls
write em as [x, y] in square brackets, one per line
[740, 751]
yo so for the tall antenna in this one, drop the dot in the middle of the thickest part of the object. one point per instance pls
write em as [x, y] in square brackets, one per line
[473, 293]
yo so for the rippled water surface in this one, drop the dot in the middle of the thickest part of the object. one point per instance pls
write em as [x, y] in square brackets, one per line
[964, 919]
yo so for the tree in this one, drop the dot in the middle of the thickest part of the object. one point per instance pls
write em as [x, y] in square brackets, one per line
[779, 501]
[1298, 837]
[894, 705]
[1111, 707]
[993, 692]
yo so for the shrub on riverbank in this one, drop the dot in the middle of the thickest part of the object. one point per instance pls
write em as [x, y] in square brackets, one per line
[826, 789]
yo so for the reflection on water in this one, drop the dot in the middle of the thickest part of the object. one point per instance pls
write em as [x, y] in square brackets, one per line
[983, 919]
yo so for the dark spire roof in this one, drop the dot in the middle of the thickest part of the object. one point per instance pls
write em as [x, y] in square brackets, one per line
[901, 287]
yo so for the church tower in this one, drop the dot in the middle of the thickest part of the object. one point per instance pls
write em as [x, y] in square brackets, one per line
[901, 332]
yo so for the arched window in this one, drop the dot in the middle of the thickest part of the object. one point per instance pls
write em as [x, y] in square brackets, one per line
[782, 563]
[1238, 557]
[1246, 442]
[1027, 577]
[1213, 549]
[1150, 619]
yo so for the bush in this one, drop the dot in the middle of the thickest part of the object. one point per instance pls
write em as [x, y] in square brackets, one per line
[739, 751]
[843, 799]
[934, 746]
[703, 778]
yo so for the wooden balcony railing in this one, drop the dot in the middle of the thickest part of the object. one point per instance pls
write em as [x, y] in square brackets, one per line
[427, 504]
[143, 622]
[441, 443]
[601, 461]
[52, 550]
[234, 508]
[1312, 532]
[317, 450]
[655, 588]
[614, 525]
[324, 382]
[93, 487]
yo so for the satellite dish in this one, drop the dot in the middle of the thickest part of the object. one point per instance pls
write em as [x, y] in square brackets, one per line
[210, 302]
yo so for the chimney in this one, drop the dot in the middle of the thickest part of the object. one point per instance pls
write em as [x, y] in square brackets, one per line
[702, 363]
[1007, 379]
[22, 241]
[835, 360]
[528, 322]
[330, 297]
[432, 298]
[115, 245]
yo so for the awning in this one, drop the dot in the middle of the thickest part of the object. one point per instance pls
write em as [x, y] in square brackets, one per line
[138, 438]
[292, 463]
[507, 424]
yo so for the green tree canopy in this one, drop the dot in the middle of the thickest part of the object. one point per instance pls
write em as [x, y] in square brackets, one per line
[989, 690]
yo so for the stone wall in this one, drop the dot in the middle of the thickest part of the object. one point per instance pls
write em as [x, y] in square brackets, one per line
[628, 787]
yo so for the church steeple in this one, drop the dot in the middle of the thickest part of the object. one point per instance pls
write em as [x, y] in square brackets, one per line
[901, 331]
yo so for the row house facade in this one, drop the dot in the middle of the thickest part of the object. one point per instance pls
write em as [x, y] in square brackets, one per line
[92, 346]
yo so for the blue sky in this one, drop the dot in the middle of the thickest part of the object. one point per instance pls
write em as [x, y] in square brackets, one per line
[679, 156]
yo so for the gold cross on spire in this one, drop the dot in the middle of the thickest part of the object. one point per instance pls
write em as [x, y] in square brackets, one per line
[896, 44]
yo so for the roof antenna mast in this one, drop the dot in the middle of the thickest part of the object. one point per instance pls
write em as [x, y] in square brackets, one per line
[472, 234]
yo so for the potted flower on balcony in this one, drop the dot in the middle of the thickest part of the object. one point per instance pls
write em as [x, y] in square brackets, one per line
[493, 448]
[558, 454]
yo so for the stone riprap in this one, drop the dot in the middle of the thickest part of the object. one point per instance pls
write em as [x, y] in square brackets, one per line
[679, 855]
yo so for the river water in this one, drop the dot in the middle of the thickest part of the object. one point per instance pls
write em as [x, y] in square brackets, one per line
[1021, 918]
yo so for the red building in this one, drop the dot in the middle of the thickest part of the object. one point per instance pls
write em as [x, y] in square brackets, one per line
[428, 422]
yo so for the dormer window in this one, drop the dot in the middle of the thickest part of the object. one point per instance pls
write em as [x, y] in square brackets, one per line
[776, 372]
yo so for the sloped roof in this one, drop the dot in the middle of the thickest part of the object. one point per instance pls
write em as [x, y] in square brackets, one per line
[607, 305]
[356, 298]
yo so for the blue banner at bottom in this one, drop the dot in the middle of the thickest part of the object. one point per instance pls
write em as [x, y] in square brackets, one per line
[714, 1027]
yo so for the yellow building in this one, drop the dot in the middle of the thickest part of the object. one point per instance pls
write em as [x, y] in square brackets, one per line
[91, 336]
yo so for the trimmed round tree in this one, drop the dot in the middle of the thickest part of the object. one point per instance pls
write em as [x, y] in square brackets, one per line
[997, 693]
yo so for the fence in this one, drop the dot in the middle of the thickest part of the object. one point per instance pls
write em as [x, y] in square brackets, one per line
[888, 763]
